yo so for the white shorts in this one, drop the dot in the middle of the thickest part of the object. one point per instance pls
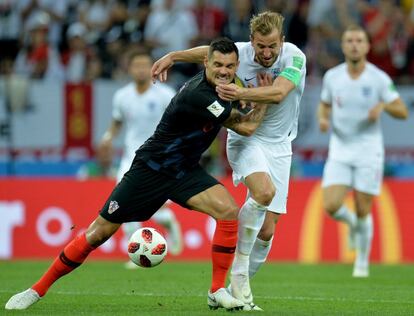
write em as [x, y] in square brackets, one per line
[246, 158]
[366, 179]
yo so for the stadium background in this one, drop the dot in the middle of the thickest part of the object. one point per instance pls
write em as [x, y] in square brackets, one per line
[55, 103]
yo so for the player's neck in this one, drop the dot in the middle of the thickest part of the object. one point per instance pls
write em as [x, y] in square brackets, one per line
[142, 87]
[355, 68]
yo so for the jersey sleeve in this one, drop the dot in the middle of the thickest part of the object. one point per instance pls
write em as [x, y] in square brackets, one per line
[387, 90]
[295, 67]
[117, 107]
[326, 94]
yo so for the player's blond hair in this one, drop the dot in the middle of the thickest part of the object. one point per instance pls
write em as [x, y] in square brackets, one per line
[266, 22]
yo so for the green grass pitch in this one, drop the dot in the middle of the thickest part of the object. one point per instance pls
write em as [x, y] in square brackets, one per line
[180, 288]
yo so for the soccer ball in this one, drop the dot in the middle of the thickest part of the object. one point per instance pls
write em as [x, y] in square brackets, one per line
[147, 247]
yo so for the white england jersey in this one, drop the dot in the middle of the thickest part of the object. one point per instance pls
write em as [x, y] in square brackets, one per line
[139, 113]
[280, 123]
[354, 138]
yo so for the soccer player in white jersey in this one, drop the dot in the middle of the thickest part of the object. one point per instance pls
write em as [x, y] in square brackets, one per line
[139, 106]
[262, 161]
[354, 94]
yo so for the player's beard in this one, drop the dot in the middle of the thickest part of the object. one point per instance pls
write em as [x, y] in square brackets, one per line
[266, 62]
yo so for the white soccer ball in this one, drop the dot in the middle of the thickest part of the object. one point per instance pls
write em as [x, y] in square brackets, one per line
[147, 247]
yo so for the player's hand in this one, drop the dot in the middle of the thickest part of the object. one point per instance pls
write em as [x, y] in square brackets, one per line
[324, 125]
[228, 92]
[375, 112]
[160, 68]
[264, 79]
[105, 145]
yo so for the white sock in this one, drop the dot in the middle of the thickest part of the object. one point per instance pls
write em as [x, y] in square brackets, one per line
[130, 228]
[365, 231]
[164, 216]
[251, 218]
[345, 215]
[260, 251]
[242, 265]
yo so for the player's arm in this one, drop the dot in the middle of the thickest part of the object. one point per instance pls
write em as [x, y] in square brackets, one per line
[275, 93]
[111, 133]
[288, 79]
[245, 124]
[397, 109]
[193, 55]
[324, 114]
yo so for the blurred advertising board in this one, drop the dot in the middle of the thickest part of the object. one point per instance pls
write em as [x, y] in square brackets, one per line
[39, 216]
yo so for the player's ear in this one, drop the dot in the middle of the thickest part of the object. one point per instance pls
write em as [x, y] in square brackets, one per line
[206, 61]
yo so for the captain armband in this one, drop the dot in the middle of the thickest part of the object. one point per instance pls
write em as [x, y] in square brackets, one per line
[292, 74]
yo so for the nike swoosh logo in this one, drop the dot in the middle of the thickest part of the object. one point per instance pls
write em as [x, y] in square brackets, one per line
[213, 299]
[247, 296]
[248, 79]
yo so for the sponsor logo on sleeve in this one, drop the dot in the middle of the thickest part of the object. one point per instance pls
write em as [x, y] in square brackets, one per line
[215, 108]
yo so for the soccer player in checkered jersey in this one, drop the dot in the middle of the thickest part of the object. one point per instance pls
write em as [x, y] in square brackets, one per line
[262, 162]
[166, 167]
[354, 95]
[138, 107]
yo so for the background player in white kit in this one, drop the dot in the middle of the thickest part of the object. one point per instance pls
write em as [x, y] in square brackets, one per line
[354, 94]
[262, 161]
[139, 106]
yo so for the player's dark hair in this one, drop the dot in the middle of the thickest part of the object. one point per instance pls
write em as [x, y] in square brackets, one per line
[138, 51]
[223, 45]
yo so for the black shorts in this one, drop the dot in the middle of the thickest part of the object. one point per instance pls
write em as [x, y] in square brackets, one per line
[142, 191]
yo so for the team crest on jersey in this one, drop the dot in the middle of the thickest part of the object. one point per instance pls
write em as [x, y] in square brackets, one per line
[366, 91]
[113, 206]
[215, 108]
[275, 72]
[151, 106]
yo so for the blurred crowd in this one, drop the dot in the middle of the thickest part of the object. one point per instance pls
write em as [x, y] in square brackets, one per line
[83, 40]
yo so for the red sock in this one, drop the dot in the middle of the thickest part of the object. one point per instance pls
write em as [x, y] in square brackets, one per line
[224, 245]
[71, 257]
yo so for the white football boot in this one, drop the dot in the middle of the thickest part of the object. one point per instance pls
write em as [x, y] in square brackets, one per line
[247, 307]
[360, 271]
[23, 299]
[222, 299]
[240, 288]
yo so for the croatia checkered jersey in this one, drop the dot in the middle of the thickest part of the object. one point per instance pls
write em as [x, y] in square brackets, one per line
[281, 121]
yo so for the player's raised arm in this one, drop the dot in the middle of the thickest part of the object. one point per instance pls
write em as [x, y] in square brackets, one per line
[286, 81]
[193, 55]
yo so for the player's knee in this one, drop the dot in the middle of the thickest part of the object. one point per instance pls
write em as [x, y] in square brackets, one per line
[264, 197]
[363, 212]
[331, 207]
[226, 210]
